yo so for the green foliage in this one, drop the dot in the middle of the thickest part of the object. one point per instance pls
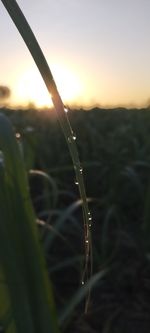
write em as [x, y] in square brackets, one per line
[34, 48]
[26, 302]
[118, 158]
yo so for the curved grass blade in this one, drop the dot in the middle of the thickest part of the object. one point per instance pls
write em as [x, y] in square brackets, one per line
[48, 181]
[80, 296]
[6, 316]
[38, 56]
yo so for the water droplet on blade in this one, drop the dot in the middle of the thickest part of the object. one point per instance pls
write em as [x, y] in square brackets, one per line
[69, 139]
[18, 136]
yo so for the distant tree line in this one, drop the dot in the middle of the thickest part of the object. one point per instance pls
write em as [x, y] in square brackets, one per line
[5, 92]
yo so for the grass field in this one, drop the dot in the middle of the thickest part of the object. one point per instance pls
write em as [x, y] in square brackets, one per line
[114, 149]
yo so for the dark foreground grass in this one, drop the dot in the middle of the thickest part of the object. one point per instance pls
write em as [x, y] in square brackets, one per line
[115, 150]
[26, 297]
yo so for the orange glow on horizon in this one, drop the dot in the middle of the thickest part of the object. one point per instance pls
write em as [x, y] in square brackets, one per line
[30, 87]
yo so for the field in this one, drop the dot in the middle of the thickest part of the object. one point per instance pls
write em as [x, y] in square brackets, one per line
[114, 150]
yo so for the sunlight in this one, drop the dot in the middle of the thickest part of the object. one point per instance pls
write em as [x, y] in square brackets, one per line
[68, 83]
[30, 87]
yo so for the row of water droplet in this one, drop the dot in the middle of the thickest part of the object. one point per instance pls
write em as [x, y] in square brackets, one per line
[71, 139]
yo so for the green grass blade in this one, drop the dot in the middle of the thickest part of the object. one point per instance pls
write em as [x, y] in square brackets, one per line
[21, 254]
[80, 296]
[6, 317]
[38, 56]
[17, 290]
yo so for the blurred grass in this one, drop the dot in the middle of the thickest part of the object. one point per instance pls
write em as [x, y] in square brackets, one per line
[28, 297]
[114, 147]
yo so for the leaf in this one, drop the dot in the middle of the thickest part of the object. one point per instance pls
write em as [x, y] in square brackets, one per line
[29, 290]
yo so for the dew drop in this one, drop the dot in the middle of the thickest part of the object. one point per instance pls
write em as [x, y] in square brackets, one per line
[82, 283]
[81, 170]
[90, 218]
[69, 139]
[65, 109]
[18, 136]
[76, 183]
[86, 241]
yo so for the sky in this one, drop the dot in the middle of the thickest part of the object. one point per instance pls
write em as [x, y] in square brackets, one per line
[98, 52]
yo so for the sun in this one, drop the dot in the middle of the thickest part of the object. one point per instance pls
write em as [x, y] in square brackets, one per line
[30, 87]
[68, 83]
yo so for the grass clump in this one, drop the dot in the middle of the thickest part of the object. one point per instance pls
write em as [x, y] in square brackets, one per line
[24, 280]
[24, 211]
[38, 56]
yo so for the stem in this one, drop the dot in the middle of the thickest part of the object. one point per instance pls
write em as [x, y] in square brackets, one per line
[38, 56]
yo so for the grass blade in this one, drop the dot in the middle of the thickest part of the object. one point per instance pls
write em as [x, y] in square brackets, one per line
[21, 255]
[38, 56]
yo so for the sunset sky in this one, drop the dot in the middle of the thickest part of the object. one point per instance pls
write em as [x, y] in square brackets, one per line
[98, 51]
